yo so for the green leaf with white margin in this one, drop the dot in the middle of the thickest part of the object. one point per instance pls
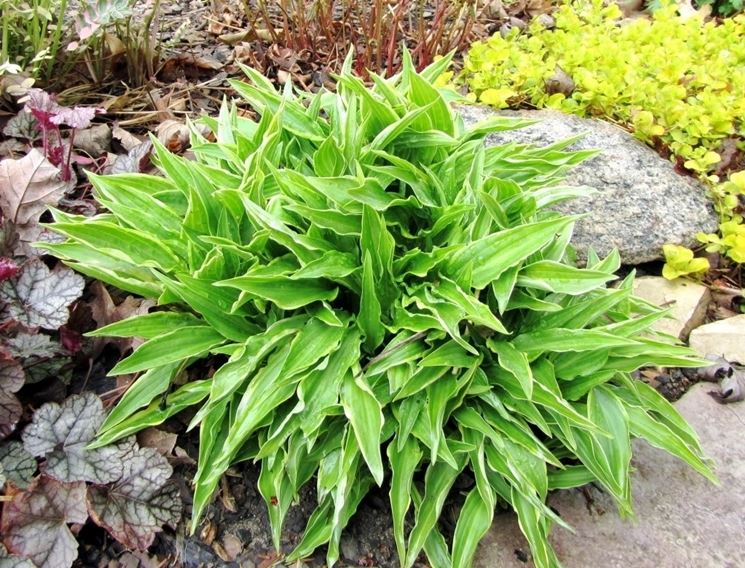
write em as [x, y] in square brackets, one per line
[614, 451]
[492, 255]
[514, 362]
[535, 527]
[156, 412]
[437, 483]
[563, 339]
[177, 345]
[403, 462]
[147, 326]
[366, 416]
[276, 489]
[557, 277]
[474, 522]
[369, 316]
[125, 244]
[476, 311]
[284, 291]
[152, 383]
[657, 421]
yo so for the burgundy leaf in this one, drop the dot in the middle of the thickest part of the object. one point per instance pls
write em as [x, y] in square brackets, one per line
[61, 434]
[43, 106]
[135, 508]
[8, 268]
[34, 523]
[70, 339]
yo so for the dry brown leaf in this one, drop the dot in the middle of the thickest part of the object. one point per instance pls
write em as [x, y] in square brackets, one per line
[173, 134]
[537, 7]
[226, 496]
[162, 441]
[220, 551]
[28, 186]
[126, 138]
[104, 312]
[208, 534]
[95, 140]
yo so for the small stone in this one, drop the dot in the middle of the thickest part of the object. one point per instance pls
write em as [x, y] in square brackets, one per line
[560, 82]
[349, 548]
[546, 21]
[232, 545]
[724, 337]
[687, 300]
[511, 24]
[630, 7]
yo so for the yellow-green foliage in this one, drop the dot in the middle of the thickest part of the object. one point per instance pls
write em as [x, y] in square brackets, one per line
[680, 81]
[679, 261]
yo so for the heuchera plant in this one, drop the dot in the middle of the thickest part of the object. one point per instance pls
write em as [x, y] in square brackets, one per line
[50, 116]
[381, 299]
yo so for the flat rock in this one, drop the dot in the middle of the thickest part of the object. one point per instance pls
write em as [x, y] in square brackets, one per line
[682, 520]
[642, 203]
[686, 300]
[724, 337]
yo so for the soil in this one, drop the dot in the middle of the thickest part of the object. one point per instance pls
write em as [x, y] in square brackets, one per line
[236, 531]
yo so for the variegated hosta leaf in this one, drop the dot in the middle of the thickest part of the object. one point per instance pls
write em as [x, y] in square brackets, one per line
[362, 273]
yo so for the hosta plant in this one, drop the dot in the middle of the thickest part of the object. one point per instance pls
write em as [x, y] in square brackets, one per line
[383, 300]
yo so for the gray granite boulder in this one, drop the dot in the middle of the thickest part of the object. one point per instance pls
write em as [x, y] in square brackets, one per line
[642, 203]
[682, 520]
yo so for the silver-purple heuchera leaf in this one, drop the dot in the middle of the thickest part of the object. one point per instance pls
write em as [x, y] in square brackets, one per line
[34, 523]
[27, 345]
[22, 125]
[135, 508]
[8, 560]
[41, 356]
[17, 464]
[11, 381]
[60, 433]
[75, 117]
[39, 297]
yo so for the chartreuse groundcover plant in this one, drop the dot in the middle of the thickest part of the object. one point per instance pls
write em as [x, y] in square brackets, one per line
[671, 80]
[384, 301]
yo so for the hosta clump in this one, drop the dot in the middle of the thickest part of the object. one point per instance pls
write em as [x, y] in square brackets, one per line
[383, 300]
